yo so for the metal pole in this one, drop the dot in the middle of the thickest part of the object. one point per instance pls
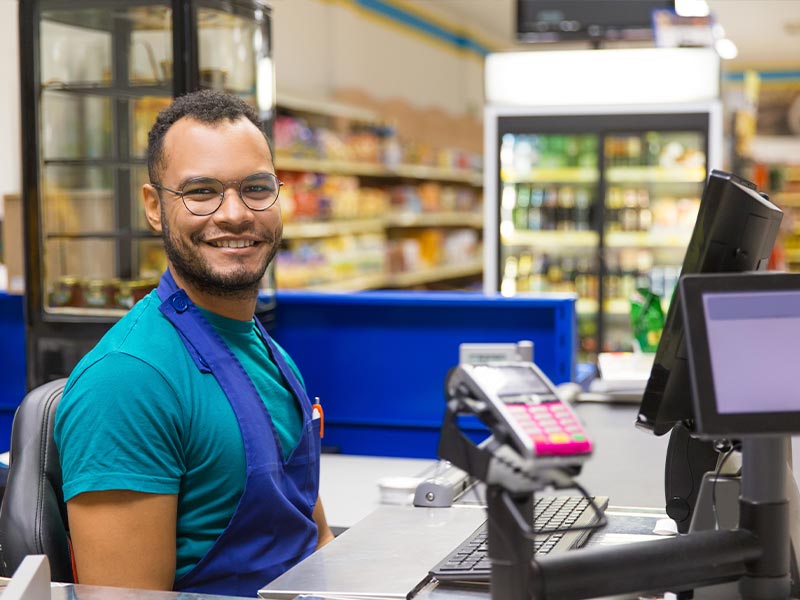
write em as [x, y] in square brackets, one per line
[764, 510]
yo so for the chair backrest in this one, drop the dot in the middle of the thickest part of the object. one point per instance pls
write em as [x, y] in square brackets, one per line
[33, 516]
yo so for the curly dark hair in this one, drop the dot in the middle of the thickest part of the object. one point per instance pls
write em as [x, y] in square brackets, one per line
[207, 106]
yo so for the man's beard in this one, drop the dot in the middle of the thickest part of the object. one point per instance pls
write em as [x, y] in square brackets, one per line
[195, 271]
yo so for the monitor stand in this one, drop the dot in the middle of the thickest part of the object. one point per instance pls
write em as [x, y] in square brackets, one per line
[727, 493]
[688, 459]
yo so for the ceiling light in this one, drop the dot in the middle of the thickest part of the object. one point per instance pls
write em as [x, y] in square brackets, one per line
[726, 48]
[692, 8]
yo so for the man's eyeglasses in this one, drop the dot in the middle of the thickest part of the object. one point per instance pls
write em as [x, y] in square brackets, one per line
[202, 196]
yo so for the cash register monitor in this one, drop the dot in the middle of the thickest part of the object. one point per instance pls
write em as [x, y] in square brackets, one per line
[741, 331]
[734, 232]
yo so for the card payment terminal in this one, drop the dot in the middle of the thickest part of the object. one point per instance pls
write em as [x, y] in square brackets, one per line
[527, 405]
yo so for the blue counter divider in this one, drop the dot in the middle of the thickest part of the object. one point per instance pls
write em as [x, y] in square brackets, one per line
[378, 360]
[12, 362]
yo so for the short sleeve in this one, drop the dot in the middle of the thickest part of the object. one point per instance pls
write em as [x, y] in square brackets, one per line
[119, 426]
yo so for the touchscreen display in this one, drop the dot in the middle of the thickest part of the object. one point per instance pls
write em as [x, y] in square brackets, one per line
[510, 380]
[752, 340]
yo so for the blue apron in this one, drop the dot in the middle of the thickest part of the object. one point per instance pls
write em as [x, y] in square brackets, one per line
[272, 528]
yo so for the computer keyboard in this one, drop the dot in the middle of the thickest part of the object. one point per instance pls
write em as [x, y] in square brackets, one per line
[470, 560]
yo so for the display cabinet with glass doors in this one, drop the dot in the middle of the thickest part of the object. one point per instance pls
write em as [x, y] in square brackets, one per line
[95, 74]
[598, 204]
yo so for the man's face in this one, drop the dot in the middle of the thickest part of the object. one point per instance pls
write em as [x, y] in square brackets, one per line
[225, 253]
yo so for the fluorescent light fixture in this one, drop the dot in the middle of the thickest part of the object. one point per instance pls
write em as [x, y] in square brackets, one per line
[602, 77]
[726, 48]
[692, 8]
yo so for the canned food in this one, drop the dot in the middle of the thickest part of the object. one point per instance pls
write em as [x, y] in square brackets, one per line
[124, 297]
[141, 287]
[65, 292]
[96, 293]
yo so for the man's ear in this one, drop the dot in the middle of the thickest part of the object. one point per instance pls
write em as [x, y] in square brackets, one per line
[152, 206]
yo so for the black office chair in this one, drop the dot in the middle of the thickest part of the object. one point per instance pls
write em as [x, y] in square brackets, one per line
[33, 516]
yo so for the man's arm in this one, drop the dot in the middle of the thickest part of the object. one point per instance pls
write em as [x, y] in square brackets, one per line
[124, 539]
[324, 534]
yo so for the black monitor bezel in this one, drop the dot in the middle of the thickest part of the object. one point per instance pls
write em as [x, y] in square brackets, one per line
[709, 422]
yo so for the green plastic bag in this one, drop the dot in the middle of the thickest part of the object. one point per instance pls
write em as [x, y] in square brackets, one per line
[647, 319]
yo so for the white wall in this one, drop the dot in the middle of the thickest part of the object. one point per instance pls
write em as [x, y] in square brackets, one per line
[324, 46]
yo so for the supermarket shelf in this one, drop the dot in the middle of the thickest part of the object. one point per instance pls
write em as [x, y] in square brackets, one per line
[554, 175]
[443, 219]
[615, 306]
[322, 229]
[656, 174]
[787, 199]
[557, 239]
[339, 167]
[400, 280]
[640, 239]
[433, 274]
[354, 284]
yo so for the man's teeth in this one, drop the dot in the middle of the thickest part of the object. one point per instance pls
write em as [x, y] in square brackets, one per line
[233, 244]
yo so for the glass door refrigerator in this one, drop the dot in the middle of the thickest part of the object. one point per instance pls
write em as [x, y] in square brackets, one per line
[598, 202]
[94, 75]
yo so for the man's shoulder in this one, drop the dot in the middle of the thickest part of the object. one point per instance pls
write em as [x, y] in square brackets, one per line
[142, 342]
[144, 333]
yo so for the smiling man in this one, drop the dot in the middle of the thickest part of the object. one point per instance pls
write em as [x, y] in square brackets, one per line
[188, 445]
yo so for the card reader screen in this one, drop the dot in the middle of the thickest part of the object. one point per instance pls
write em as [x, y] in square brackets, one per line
[752, 340]
[511, 380]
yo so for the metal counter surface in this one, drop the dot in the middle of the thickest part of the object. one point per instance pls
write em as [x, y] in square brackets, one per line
[387, 554]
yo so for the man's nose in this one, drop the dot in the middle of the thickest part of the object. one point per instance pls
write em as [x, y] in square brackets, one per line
[233, 207]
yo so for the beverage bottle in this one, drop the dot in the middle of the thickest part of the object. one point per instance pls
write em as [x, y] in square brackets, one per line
[571, 150]
[613, 206]
[582, 274]
[645, 214]
[508, 202]
[582, 209]
[537, 273]
[612, 278]
[535, 210]
[634, 150]
[521, 208]
[524, 266]
[569, 266]
[555, 274]
[652, 140]
[566, 208]
[523, 156]
[629, 216]
[507, 153]
[588, 151]
[549, 207]
[508, 286]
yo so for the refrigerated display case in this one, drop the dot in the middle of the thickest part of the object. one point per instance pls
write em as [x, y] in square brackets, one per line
[597, 201]
[94, 75]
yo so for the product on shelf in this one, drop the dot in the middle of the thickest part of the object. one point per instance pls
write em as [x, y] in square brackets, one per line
[654, 148]
[521, 154]
[122, 294]
[363, 143]
[308, 263]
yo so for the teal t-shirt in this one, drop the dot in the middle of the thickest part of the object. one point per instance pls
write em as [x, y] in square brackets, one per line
[138, 415]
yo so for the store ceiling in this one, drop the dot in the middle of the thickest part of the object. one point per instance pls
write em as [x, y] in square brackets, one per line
[767, 32]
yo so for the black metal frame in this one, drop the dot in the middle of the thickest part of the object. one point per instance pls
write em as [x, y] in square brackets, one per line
[55, 342]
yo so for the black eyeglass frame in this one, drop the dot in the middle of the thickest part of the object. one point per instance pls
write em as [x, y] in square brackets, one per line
[224, 185]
